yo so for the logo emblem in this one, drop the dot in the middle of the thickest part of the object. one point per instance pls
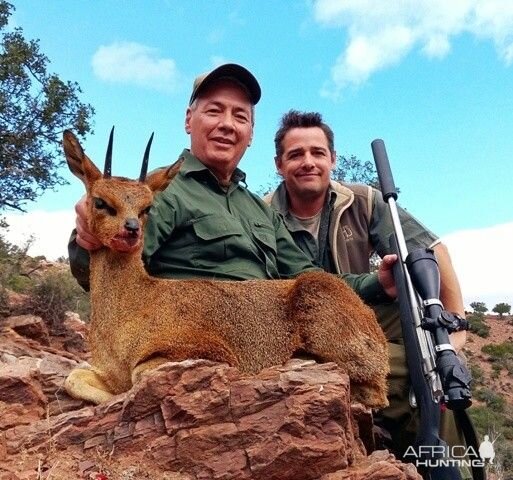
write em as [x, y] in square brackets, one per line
[486, 451]
[347, 232]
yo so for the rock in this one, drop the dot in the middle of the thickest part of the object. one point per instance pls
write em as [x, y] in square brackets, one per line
[16, 301]
[29, 326]
[75, 331]
[31, 378]
[202, 420]
[184, 421]
[380, 465]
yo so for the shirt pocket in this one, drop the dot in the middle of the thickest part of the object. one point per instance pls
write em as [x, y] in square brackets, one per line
[216, 235]
[265, 240]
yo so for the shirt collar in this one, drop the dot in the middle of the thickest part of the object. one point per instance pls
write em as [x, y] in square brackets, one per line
[280, 202]
[192, 164]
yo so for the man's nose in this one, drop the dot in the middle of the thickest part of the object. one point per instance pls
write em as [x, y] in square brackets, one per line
[308, 161]
[226, 120]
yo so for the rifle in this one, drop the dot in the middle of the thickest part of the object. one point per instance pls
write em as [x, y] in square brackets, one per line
[437, 375]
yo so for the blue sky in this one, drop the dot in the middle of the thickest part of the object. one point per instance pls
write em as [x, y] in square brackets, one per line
[433, 78]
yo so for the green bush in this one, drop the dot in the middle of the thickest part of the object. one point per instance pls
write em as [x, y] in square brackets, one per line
[477, 374]
[478, 325]
[493, 401]
[501, 354]
[4, 304]
[487, 419]
[12, 259]
[504, 453]
[56, 293]
[498, 351]
[20, 283]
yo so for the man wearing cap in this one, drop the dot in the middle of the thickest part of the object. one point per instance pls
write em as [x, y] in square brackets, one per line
[206, 224]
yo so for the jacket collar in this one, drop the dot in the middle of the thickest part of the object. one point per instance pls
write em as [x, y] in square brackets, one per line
[339, 194]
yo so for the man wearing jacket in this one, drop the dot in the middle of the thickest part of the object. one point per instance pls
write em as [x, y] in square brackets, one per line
[339, 226]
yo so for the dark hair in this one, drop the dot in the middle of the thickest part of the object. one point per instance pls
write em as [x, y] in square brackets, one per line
[295, 119]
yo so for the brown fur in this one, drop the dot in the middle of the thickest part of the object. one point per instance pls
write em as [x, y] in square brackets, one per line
[139, 322]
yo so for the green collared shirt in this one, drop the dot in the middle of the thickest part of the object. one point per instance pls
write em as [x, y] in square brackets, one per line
[199, 229]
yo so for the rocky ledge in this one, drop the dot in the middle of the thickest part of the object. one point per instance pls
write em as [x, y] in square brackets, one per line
[190, 420]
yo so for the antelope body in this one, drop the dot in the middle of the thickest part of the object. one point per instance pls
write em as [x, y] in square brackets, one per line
[139, 322]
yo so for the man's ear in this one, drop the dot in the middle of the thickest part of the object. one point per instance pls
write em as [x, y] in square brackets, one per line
[277, 163]
[188, 115]
[333, 160]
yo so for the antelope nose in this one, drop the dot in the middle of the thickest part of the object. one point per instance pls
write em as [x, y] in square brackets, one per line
[132, 225]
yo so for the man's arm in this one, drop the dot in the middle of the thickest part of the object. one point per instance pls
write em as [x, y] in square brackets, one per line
[79, 245]
[450, 291]
[78, 261]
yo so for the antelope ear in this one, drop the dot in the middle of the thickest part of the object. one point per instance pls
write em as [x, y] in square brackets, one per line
[78, 162]
[159, 179]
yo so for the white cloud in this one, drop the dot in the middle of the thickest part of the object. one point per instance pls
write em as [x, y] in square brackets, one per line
[484, 263]
[51, 231]
[380, 34]
[136, 64]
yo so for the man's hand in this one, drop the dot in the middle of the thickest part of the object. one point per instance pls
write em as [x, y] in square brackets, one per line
[84, 237]
[386, 276]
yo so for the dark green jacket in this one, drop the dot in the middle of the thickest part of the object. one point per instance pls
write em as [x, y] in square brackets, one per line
[197, 229]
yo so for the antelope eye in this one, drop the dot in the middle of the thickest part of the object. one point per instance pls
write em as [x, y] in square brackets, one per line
[145, 211]
[101, 204]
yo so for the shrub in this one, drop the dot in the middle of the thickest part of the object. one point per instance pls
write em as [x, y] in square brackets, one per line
[478, 325]
[20, 283]
[4, 303]
[493, 401]
[484, 418]
[56, 293]
[501, 354]
[498, 351]
[477, 374]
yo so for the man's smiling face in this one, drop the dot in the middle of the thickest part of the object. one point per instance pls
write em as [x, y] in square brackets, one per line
[220, 123]
[306, 162]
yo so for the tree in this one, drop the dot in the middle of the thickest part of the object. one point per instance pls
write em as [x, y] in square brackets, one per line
[502, 308]
[35, 107]
[479, 307]
[353, 170]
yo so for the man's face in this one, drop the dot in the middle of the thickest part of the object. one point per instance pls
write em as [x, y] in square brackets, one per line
[220, 125]
[306, 162]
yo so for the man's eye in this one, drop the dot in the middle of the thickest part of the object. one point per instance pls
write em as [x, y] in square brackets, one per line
[319, 153]
[242, 117]
[101, 204]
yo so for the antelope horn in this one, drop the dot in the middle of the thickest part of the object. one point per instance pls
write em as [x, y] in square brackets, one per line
[108, 156]
[144, 168]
